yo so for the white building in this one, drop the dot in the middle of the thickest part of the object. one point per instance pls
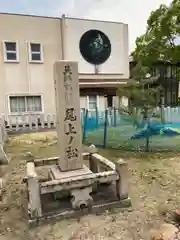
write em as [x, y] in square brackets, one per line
[31, 44]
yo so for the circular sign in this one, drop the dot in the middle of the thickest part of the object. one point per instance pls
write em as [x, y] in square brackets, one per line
[95, 47]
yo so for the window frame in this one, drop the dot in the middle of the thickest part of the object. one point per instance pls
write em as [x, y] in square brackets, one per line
[5, 51]
[97, 102]
[26, 112]
[31, 52]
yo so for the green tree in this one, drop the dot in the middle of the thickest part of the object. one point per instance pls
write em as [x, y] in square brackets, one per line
[159, 43]
[160, 39]
[142, 92]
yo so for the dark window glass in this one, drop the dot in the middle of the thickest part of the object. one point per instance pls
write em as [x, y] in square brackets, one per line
[10, 46]
[35, 47]
[11, 56]
[35, 56]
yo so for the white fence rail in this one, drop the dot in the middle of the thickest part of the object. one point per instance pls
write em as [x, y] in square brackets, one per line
[40, 122]
[171, 114]
[29, 123]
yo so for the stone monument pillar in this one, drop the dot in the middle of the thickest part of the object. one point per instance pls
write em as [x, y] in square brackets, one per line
[66, 84]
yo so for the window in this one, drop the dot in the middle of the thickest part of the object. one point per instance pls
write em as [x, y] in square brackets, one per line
[92, 102]
[25, 104]
[11, 52]
[35, 52]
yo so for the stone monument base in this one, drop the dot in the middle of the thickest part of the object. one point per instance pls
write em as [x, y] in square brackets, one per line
[99, 185]
[56, 173]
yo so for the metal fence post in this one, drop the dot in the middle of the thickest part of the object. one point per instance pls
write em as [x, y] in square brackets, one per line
[85, 125]
[105, 128]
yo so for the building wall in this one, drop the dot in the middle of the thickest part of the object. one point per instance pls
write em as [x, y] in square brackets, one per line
[24, 77]
[59, 39]
[117, 63]
[83, 102]
[102, 102]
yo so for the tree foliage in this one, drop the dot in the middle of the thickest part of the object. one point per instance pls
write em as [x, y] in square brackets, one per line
[143, 91]
[161, 40]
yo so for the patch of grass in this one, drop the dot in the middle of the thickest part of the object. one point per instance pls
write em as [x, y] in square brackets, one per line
[38, 144]
[119, 138]
[45, 145]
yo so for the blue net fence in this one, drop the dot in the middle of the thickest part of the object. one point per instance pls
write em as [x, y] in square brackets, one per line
[112, 129]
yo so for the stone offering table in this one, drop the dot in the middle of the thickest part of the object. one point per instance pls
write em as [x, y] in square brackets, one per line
[103, 186]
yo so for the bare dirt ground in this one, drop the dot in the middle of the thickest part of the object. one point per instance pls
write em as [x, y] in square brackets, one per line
[154, 190]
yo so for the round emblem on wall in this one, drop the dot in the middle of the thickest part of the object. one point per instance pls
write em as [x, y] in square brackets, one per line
[95, 47]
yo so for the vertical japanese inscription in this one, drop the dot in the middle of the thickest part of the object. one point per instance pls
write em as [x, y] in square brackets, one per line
[68, 85]
[71, 152]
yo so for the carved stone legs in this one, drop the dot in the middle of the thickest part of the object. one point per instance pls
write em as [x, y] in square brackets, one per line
[122, 183]
[34, 208]
[93, 163]
[81, 198]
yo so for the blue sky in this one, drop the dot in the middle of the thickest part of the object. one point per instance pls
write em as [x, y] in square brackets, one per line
[132, 12]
